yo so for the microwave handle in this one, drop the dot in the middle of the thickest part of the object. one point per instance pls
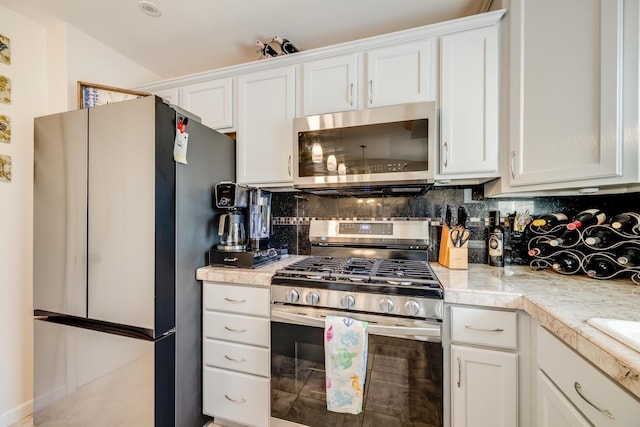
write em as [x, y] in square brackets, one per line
[431, 333]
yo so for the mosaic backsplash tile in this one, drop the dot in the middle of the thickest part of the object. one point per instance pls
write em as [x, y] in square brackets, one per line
[291, 212]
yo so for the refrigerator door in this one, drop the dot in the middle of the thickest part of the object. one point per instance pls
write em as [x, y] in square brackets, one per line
[121, 213]
[85, 377]
[60, 213]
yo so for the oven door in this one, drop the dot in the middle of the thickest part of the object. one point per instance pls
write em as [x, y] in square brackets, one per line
[403, 384]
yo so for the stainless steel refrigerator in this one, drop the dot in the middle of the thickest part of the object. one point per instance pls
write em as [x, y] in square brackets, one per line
[119, 231]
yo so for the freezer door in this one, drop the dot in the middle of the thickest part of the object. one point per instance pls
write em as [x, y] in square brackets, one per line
[122, 213]
[60, 213]
[85, 377]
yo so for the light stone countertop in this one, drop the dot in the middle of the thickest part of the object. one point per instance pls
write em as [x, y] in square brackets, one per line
[558, 302]
[260, 276]
[562, 304]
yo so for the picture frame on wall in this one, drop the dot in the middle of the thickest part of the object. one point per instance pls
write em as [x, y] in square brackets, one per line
[92, 95]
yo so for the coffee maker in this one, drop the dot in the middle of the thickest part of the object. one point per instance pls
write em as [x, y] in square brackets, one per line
[243, 228]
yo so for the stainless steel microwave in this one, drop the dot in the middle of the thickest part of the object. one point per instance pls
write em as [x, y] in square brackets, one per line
[372, 147]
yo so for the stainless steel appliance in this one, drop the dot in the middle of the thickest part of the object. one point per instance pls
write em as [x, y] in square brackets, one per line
[371, 270]
[119, 230]
[249, 209]
[372, 147]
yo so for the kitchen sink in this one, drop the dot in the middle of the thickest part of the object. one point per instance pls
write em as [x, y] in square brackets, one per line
[625, 331]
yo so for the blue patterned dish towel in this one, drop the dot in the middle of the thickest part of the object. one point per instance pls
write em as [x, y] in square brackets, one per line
[345, 356]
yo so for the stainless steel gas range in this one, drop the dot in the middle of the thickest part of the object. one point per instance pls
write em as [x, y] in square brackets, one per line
[372, 270]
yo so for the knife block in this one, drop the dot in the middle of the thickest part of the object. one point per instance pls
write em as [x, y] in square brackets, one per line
[449, 255]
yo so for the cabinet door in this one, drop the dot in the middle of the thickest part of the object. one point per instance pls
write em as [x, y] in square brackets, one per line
[566, 91]
[484, 387]
[212, 101]
[469, 104]
[330, 85]
[553, 408]
[401, 74]
[265, 127]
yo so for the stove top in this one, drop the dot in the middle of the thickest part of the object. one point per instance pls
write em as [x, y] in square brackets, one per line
[372, 275]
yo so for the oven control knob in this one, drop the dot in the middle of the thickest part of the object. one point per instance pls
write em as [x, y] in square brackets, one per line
[386, 305]
[292, 296]
[411, 307]
[312, 298]
[348, 302]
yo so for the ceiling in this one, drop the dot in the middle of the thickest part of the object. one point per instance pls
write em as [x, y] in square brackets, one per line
[192, 36]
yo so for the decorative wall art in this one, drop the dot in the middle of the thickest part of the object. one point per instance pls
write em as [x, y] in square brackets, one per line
[5, 50]
[5, 168]
[92, 95]
[5, 90]
[5, 129]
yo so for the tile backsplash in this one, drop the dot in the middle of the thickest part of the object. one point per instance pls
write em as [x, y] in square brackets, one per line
[291, 212]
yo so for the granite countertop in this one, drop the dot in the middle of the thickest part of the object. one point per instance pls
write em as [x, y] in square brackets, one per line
[558, 302]
[562, 304]
[260, 276]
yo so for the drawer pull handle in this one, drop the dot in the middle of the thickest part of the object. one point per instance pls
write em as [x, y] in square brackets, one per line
[227, 259]
[235, 360]
[484, 330]
[237, 301]
[237, 331]
[234, 400]
[459, 372]
[578, 388]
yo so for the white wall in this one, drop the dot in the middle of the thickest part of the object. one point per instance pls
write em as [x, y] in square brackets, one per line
[27, 72]
[45, 67]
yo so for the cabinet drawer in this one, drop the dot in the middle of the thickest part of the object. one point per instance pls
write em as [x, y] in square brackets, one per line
[485, 327]
[237, 299]
[237, 328]
[238, 357]
[582, 383]
[237, 397]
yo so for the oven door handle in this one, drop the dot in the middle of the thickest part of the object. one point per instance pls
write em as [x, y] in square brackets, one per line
[427, 331]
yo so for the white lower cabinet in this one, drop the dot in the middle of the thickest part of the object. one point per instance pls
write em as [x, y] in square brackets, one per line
[483, 368]
[236, 354]
[484, 389]
[236, 397]
[554, 409]
[590, 397]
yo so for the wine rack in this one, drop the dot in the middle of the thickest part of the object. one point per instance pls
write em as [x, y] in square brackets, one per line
[596, 251]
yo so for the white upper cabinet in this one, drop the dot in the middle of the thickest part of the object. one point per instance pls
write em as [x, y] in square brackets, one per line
[573, 103]
[400, 74]
[212, 101]
[170, 95]
[264, 144]
[469, 104]
[330, 85]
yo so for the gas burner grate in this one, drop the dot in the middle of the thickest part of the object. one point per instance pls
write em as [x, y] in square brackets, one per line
[393, 272]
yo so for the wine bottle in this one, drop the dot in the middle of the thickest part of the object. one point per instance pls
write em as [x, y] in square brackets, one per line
[626, 222]
[601, 266]
[495, 244]
[566, 263]
[285, 45]
[548, 221]
[601, 237]
[629, 256]
[586, 218]
[568, 238]
[543, 250]
[266, 50]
